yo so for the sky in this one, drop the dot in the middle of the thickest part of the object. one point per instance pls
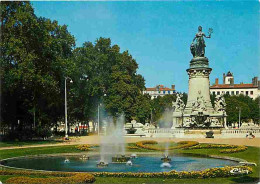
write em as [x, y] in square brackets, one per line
[158, 34]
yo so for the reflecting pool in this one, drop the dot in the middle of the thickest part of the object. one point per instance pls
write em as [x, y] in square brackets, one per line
[143, 163]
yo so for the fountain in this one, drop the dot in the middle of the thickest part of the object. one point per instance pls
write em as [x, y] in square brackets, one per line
[149, 163]
[133, 155]
[84, 157]
[113, 143]
[166, 159]
[165, 164]
[131, 130]
[129, 163]
[66, 161]
[102, 164]
[120, 159]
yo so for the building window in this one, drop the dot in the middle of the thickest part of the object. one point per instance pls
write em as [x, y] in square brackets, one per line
[214, 93]
[227, 92]
[163, 92]
[251, 92]
[246, 93]
[237, 92]
[169, 92]
[218, 93]
[232, 92]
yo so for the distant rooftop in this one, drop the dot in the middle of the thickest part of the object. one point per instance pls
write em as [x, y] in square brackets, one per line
[223, 86]
[161, 88]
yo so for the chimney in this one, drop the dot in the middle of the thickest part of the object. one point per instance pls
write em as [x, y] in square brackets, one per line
[173, 86]
[255, 81]
[232, 82]
[224, 77]
[216, 81]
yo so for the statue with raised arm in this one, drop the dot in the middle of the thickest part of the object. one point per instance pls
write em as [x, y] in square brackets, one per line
[198, 44]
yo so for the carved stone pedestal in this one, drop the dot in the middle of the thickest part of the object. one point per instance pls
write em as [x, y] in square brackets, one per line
[199, 112]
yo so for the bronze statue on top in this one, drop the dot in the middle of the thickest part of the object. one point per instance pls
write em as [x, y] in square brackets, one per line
[198, 47]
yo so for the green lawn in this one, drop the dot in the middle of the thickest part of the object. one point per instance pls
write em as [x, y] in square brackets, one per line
[38, 150]
[252, 154]
[26, 143]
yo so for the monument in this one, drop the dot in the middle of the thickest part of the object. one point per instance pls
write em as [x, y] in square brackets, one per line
[199, 111]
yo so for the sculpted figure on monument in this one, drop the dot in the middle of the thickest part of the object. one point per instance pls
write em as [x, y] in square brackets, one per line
[198, 47]
[178, 105]
[199, 104]
[220, 103]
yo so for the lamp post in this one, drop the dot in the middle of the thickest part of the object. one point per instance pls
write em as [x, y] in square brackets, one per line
[98, 120]
[239, 116]
[66, 115]
[151, 116]
[182, 118]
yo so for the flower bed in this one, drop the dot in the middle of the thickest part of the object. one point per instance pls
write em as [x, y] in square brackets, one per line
[237, 149]
[132, 147]
[58, 177]
[229, 148]
[75, 179]
[71, 177]
[208, 173]
[85, 147]
[148, 145]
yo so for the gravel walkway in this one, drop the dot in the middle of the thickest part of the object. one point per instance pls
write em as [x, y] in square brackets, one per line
[96, 140]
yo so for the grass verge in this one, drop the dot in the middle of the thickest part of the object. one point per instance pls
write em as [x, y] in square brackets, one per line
[252, 154]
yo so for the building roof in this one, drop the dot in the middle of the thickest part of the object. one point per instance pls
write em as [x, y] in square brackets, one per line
[234, 86]
[159, 89]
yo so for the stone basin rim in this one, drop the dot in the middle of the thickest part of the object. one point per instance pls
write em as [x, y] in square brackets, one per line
[95, 153]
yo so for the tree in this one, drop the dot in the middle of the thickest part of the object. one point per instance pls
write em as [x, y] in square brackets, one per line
[35, 57]
[161, 105]
[232, 108]
[112, 79]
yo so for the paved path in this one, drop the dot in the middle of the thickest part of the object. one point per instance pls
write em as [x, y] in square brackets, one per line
[96, 140]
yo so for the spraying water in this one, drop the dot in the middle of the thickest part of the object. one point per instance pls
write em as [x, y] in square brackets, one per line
[165, 164]
[166, 151]
[113, 143]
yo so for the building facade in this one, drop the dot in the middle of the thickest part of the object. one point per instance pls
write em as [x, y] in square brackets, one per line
[159, 90]
[229, 87]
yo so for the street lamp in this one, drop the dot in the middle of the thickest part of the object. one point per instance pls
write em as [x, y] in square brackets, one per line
[239, 116]
[66, 115]
[151, 116]
[98, 119]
